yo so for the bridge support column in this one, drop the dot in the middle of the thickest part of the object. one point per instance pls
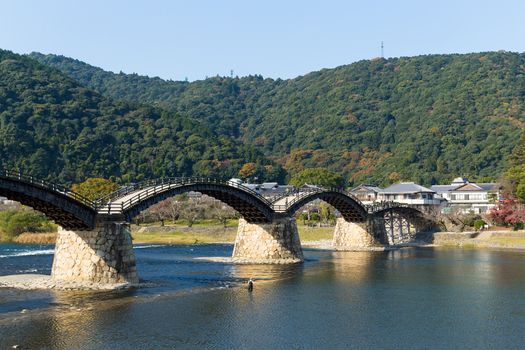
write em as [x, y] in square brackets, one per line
[274, 243]
[354, 236]
[100, 256]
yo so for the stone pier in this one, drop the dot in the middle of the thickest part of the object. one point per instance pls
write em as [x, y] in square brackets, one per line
[273, 243]
[353, 236]
[98, 257]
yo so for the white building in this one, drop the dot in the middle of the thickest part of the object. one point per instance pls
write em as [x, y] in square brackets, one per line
[367, 194]
[467, 197]
[409, 193]
[6, 201]
[266, 189]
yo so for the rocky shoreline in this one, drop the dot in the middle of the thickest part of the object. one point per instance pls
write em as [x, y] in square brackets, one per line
[35, 281]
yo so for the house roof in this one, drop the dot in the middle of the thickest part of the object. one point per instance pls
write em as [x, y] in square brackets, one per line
[459, 180]
[309, 186]
[490, 186]
[366, 188]
[443, 188]
[478, 187]
[251, 186]
[406, 187]
[269, 185]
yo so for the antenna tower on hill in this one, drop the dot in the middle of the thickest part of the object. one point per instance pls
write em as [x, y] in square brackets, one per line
[382, 50]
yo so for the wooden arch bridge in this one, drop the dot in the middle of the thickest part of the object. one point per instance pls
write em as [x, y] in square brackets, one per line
[263, 220]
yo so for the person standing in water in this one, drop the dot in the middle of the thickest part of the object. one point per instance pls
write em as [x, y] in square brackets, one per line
[250, 285]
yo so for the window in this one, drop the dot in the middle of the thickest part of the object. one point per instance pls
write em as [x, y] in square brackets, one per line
[453, 197]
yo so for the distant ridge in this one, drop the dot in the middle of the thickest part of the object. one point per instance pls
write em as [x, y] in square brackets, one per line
[53, 127]
[425, 118]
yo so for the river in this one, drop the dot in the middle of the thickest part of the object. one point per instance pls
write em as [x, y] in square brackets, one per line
[413, 298]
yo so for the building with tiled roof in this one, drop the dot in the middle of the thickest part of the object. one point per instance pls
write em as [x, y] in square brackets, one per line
[467, 196]
[409, 193]
[367, 194]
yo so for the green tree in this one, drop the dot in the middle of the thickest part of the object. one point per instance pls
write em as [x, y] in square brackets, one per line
[13, 222]
[518, 153]
[326, 212]
[515, 181]
[95, 188]
[317, 176]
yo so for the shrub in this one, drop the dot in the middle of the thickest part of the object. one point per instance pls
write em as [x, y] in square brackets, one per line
[470, 219]
[478, 224]
[13, 222]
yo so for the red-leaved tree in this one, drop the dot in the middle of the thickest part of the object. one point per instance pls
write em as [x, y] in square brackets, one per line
[508, 212]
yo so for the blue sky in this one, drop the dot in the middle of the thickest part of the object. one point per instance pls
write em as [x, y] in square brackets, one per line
[199, 38]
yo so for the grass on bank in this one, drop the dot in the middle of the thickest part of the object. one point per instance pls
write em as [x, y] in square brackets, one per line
[36, 238]
[178, 232]
[307, 233]
[508, 240]
[192, 236]
[210, 232]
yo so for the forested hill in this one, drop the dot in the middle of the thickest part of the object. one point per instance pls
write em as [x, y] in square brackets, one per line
[427, 118]
[53, 127]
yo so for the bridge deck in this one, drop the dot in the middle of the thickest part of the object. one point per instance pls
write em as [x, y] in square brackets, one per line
[71, 209]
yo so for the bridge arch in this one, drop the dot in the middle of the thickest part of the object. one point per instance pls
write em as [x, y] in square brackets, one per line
[351, 209]
[402, 210]
[251, 206]
[68, 209]
[398, 223]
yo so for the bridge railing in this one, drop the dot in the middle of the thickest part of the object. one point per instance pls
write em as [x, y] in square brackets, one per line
[150, 188]
[19, 176]
[300, 194]
[379, 206]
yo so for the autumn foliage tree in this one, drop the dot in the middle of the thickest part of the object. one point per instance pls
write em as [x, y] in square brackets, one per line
[95, 188]
[247, 170]
[508, 212]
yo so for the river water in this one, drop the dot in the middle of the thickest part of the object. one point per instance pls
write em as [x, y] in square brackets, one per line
[413, 298]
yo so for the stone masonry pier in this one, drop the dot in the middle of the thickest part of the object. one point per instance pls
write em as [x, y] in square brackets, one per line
[103, 255]
[353, 236]
[273, 243]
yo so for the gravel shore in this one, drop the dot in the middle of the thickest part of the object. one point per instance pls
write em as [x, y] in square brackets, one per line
[34, 281]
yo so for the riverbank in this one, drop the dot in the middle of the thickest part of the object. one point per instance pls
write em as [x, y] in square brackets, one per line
[483, 239]
[311, 237]
[182, 234]
[202, 234]
[37, 238]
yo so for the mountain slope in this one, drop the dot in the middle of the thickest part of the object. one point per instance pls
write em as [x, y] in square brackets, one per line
[53, 127]
[427, 118]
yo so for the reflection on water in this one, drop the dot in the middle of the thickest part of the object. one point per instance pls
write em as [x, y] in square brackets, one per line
[408, 298]
[354, 266]
[263, 273]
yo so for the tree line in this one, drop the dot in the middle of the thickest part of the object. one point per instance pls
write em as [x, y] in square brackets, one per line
[426, 119]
